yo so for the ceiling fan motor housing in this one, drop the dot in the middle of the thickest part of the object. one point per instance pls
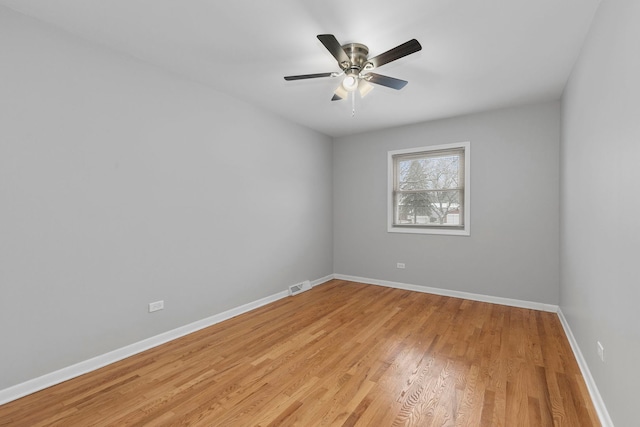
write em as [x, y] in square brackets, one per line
[357, 54]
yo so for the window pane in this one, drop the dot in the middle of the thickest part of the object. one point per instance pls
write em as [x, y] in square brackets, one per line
[429, 172]
[429, 208]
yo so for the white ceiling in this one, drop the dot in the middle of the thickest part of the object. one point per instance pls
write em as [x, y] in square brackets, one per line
[476, 54]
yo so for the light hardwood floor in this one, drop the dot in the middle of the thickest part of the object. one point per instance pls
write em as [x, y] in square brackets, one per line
[341, 354]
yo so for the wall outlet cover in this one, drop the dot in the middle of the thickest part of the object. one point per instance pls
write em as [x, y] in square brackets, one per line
[155, 306]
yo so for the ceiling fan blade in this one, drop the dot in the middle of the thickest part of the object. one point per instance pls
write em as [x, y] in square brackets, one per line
[412, 46]
[308, 76]
[340, 93]
[364, 87]
[387, 81]
[333, 46]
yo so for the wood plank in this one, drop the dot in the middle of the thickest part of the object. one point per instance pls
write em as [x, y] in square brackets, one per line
[343, 353]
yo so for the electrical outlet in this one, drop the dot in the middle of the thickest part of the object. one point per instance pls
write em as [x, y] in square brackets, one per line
[400, 265]
[600, 351]
[155, 306]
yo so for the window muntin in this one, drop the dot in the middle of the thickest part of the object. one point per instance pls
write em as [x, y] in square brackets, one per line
[429, 190]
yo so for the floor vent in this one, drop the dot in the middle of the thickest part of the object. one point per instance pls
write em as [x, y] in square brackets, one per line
[300, 287]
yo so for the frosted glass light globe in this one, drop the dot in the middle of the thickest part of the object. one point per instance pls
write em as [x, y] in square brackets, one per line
[350, 83]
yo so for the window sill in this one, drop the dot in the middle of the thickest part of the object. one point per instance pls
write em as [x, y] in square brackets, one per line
[441, 231]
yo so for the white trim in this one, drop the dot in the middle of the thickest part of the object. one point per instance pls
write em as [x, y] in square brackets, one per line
[466, 231]
[601, 409]
[322, 280]
[456, 294]
[31, 386]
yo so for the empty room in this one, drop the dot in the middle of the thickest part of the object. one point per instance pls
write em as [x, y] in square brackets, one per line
[296, 213]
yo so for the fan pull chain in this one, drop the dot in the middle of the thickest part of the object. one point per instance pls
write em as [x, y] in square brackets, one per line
[353, 104]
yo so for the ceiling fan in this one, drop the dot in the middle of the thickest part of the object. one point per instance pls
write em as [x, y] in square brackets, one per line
[356, 67]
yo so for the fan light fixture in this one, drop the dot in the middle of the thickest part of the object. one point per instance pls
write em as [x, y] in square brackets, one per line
[350, 83]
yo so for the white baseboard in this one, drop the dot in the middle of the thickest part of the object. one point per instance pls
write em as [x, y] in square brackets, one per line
[601, 409]
[322, 280]
[31, 386]
[449, 293]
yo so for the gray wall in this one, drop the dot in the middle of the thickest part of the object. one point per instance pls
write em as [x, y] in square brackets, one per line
[121, 184]
[513, 248]
[600, 285]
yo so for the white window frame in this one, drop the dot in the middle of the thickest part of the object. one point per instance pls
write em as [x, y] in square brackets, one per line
[466, 211]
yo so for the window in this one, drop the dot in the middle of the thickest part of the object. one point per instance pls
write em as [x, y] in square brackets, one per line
[429, 190]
